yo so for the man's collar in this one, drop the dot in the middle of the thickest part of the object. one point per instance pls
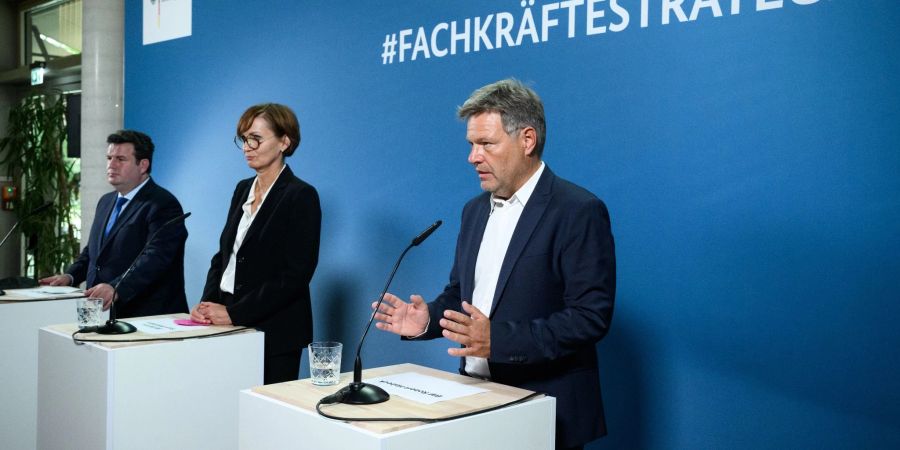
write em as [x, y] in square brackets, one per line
[524, 192]
[130, 195]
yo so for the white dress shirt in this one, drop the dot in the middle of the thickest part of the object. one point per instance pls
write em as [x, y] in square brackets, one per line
[501, 224]
[130, 196]
[227, 283]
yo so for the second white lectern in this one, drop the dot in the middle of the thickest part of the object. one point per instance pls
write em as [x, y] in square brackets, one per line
[153, 395]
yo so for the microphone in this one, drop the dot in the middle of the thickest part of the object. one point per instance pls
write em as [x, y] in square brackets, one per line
[33, 212]
[357, 392]
[40, 209]
[113, 326]
[424, 235]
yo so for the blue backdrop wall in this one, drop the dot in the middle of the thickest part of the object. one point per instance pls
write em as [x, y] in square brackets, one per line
[747, 150]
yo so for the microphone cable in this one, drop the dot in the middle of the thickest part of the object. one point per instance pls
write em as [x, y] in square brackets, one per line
[81, 341]
[337, 397]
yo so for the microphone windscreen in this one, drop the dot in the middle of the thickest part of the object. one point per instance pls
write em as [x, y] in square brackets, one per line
[424, 235]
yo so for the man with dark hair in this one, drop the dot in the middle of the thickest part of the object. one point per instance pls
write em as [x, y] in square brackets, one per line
[124, 221]
[143, 145]
[532, 288]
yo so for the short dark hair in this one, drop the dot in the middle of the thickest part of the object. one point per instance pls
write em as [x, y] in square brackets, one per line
[281, 119]
[518, 105]
[143, 145]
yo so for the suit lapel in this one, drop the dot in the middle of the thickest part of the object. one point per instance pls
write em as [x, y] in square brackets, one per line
[232, 223]
[481, 214]
[131, 209]
[103, 210]
[528, 221]
[268, 207]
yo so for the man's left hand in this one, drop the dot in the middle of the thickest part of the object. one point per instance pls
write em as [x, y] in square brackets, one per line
[103, 291]
[473, 331]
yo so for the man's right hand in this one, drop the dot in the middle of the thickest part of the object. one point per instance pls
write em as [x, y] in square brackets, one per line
[56, 280]
[399, 317]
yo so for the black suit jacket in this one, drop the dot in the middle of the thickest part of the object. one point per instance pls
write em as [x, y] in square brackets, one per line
[553, 302]
[275, 263]
[156, 285]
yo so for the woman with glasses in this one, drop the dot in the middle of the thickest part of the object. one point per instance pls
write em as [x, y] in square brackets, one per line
[269, 247]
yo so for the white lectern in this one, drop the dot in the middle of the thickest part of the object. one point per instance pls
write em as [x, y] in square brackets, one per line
[21, 316]
[283, 416]
[149, 395]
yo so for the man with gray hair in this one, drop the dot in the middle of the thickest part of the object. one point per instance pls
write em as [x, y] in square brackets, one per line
[532, 288]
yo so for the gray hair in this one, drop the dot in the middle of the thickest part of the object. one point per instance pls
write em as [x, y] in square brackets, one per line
[519, 107]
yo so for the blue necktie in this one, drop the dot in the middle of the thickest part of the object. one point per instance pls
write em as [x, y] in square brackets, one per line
[115, 214]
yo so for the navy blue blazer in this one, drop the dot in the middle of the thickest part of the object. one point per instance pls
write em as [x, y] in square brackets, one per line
[553, 302]
[156, 285]
[275, 263]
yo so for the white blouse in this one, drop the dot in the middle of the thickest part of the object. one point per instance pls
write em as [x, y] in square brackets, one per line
[227, 283]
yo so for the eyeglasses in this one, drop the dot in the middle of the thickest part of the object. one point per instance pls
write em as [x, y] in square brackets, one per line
[251, 141]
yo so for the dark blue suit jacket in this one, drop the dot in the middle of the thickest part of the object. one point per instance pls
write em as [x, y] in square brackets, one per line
[553, 302]
[156, 285]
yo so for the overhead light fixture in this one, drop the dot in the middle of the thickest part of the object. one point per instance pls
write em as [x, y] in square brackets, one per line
[38, 69]
[58, 44]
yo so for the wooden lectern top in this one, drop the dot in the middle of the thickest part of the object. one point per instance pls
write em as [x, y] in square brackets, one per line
[146, 338]
[29, 295]
[303, 394]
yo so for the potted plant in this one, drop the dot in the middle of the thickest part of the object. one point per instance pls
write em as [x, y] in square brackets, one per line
[33, 152]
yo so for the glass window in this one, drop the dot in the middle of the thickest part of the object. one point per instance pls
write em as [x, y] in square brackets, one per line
[53, 30]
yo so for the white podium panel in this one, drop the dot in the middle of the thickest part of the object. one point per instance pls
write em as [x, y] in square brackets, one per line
[156, 395]
[283, 416]
[19, 324]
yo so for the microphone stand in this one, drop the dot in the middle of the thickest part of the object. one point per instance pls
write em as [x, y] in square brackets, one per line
[114, 326]
[33, 212]
[357, 392]
[15, 225]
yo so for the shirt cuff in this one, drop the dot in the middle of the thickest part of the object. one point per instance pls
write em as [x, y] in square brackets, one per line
[423, 331]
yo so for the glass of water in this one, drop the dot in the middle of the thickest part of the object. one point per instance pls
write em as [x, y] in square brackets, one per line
[89, 312]
[325, 362]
